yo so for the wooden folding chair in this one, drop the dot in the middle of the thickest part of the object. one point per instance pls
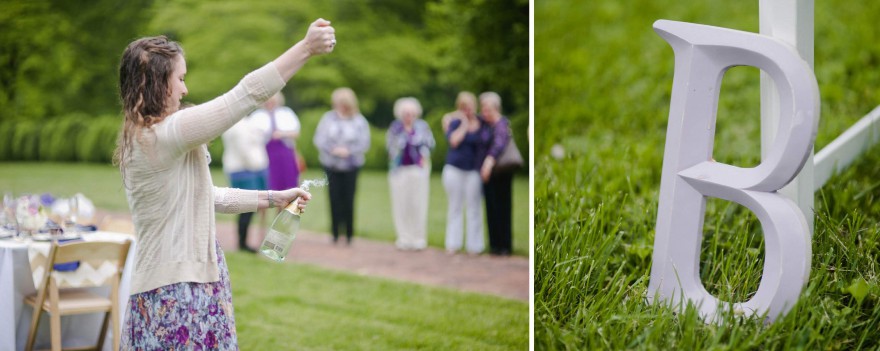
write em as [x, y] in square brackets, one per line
[58, 297]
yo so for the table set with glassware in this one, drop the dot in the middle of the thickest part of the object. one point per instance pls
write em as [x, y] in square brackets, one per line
[69, 270]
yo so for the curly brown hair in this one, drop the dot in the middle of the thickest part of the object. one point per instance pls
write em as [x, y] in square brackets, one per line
[144, 71]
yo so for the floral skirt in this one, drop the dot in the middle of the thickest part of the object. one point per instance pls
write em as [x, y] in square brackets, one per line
[182, 316]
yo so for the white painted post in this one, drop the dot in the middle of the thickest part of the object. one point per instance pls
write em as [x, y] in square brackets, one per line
[792, 22]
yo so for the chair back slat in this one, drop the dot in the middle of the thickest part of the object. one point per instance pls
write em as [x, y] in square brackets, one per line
[91, 251]
[100, 263]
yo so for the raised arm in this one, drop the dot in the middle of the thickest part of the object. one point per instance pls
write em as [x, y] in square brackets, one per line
[320, 39]
[200, 124]
[500, 137]
[456, 132]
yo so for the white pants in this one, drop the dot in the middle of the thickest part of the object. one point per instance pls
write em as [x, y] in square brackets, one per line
[409, 205]
[464, 189]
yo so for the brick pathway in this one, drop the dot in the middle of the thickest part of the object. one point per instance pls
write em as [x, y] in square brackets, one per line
[501, 276]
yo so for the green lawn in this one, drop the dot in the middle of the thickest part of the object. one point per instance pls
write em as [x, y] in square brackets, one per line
[103, 185]
[602, 89]
[301, 307]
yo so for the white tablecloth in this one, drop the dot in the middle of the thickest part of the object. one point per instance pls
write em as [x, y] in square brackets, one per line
[17, 281]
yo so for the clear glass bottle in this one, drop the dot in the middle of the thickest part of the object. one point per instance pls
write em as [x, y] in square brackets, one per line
[280, 236]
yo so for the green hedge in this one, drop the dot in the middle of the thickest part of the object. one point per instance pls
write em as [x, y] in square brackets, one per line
[70, 138]
[7, 130]
[59, 137]
[98, 140]
[83, 138]
[25, 141]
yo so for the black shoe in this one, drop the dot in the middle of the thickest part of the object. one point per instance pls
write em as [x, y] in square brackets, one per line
[246, 249]
[500, 252]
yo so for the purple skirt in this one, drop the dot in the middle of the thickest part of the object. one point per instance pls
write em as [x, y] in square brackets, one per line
[283, 171]
[182, 316]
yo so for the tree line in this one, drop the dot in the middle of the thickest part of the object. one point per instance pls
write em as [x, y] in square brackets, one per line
[59, 59]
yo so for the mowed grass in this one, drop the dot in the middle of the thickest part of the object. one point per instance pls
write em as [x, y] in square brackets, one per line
[103, 185]
[301, 307]
[602, 88]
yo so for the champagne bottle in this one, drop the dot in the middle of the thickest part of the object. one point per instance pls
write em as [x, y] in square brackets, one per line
[278, 240]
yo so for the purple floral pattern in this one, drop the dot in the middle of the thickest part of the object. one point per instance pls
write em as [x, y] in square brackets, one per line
[182, 316]
[494, 138]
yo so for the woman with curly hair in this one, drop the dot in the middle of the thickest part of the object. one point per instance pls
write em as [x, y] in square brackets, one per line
[181, 297]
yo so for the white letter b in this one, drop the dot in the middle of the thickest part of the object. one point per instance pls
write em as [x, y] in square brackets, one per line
[702, 55]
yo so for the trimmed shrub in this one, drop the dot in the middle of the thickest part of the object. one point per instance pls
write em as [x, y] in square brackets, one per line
[25, 141]
[377, 156]
[98, 140]
[7, 131]
[59, 137]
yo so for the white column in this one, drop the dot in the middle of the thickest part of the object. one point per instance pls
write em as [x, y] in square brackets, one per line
[792, 22]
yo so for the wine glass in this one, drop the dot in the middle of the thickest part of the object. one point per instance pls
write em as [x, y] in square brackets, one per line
[72, 215]
[30, 214]
[8, 222]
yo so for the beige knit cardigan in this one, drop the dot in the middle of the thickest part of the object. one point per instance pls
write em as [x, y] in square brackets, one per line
[170, 192]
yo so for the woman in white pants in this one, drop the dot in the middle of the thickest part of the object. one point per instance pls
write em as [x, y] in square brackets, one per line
[461, 176]
[409, 142]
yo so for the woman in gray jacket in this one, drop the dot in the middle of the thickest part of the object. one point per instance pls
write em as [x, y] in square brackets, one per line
[342, 138]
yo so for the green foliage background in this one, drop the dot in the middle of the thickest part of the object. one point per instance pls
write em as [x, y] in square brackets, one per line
[59, 59]
[602, 90]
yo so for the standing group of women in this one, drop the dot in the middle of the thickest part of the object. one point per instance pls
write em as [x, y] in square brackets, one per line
[475, 142]
[342, 139]
[259, 154]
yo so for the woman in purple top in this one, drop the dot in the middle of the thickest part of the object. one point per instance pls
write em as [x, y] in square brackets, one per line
[461, 176]
[496, 185]
[281, 126]
[409, 142]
